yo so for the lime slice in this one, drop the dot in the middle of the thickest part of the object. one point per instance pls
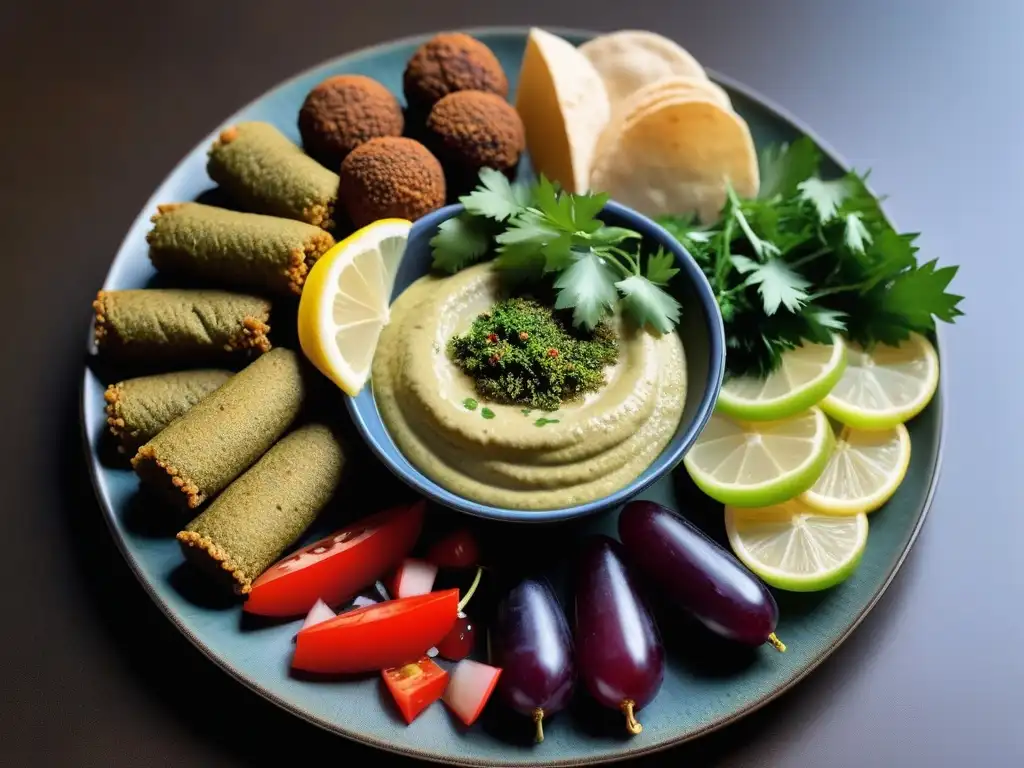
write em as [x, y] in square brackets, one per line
[885, 386]
[804, 377]
[796, 548]
[863, 473]
[345, 302]
[757, 463]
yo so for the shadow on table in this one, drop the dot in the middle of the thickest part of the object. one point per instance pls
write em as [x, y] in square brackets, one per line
[144, 637]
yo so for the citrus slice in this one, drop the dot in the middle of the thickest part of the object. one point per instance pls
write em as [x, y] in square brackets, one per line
[864, 471]
[885, 386]
[757, 463]
[796, 548]
[345, 302]
[804, 377]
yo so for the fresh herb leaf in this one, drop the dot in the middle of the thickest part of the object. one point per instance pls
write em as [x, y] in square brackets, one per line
[547, 231]
[530, 227]
[520, 264]
[661, 267]
[856, 235]
[647, 303]
[495, 198]
[762, 248]
[588, 287]
[585, 209]
[487, 413]
[558, 254]
[825, 196]
[557, 210]
[460, 241]
[470, 404]
[809, 258]
[776, 281]
[783, 166]
[829, 319]
[919, 293]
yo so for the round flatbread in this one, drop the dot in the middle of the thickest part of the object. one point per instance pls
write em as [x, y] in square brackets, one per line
[564, 108]
[677, 86]
[647, 99]
[676, 158]
[630, 59]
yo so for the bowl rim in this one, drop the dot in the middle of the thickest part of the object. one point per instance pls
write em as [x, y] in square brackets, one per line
[669, 458]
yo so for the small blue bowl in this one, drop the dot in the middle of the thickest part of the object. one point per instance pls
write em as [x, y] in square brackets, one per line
[700, 329]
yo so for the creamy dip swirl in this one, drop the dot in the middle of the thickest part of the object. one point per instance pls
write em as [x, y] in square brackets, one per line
[598, 445]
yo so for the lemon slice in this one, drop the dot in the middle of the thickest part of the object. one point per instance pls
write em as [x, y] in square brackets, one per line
[804, 377]
[796, 548]
[757, 463]
[886, 386]
[864, 471]
[345, 301]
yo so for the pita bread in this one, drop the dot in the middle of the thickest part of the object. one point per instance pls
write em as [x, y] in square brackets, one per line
[675, 158]
[564, 107]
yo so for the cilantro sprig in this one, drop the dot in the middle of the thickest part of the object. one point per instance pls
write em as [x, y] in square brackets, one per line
[810, 257]
[542, 233]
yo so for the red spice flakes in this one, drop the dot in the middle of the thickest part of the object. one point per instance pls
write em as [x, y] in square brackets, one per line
[523, 335]
[492, 338]
[493, 360]
[552, 352]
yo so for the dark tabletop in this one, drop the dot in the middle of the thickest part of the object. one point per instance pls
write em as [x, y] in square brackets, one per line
[100, 100]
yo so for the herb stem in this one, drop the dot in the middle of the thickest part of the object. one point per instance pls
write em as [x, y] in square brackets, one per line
[610, 258]
[836, 289]
[803, 260]
[724, 262]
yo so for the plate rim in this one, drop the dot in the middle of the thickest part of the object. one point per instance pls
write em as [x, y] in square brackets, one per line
[934, 471]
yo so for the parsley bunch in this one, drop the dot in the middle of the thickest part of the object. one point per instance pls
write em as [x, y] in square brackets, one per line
[540, 232]
[809, 258]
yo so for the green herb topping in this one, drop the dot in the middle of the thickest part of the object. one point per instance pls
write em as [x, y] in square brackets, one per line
[542, 422]
[522, 353]
[470, 404]
[809, 258]
[487, 413]
[540, 232]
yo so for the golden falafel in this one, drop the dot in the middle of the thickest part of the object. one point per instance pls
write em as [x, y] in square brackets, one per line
[470, 130]
[451, 62]
[390, 177]
[345, 111]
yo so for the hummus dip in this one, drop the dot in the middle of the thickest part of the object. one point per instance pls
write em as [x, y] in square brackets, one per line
[597, 445]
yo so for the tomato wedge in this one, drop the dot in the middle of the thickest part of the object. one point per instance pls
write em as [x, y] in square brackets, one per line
[459, 549]
[377, 637]
[338, 566]
[415, 687]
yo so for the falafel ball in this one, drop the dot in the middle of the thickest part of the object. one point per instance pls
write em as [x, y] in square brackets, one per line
[470, 130]
[345, 111]
[390, 177]
[451, 62]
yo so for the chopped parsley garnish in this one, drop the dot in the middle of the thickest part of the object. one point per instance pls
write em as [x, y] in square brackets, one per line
[542, 422]
[543, 234]
[470, 404]
[808, 258]
[524, 353]
[487, 413]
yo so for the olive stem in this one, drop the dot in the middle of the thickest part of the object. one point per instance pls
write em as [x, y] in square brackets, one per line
[538, 720]
[632, 724]
[777, 644]
[472, 588]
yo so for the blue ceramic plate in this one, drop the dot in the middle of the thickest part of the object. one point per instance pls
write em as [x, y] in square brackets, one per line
[706, 685]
